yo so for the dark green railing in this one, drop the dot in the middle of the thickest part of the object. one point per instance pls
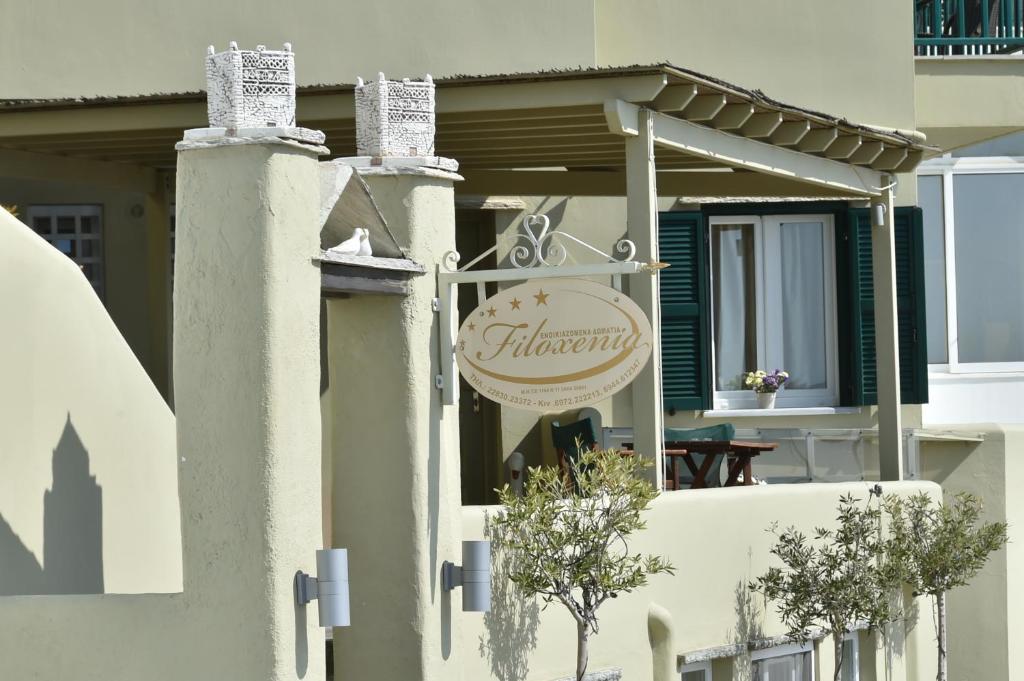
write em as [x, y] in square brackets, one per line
[968, 27]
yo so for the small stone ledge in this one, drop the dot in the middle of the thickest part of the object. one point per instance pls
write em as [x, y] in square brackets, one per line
[342, 275]
[405, 165]
[734, 649]
[297, 134]
[214, 142]
[610, 674]
[490, 202]
[372, 262]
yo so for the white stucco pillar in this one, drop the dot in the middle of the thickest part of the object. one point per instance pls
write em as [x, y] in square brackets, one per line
[247, 374]
[642, 229]
[883, 261]
[396, 492]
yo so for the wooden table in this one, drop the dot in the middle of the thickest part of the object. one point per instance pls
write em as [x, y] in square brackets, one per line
[739, 453]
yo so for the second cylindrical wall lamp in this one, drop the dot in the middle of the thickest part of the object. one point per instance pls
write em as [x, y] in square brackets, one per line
[474, 576]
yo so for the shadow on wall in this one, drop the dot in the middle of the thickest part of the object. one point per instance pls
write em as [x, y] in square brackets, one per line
[72, 531]
[512, 622]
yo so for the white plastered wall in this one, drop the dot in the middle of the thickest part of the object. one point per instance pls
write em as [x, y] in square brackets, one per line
[75, 397]
[716, 540]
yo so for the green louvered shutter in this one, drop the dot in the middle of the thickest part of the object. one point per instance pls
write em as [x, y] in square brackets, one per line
[858, 371]
[685, 315]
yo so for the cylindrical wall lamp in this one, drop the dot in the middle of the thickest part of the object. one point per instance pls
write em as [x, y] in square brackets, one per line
[474, 576]
[329, 587]
[878, 214]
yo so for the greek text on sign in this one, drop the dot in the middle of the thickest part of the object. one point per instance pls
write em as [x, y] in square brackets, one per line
[553, 344]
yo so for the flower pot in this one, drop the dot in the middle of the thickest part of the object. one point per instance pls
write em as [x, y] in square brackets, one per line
[766, 400]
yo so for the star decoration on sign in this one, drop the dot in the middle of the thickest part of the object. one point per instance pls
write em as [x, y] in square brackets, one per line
[515, 302]
[491, 312]
[542, 298]
[472, 326]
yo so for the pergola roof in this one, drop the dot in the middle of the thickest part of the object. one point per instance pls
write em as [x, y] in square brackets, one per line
[568, 120]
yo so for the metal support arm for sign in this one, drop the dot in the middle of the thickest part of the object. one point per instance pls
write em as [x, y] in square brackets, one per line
[534, 256]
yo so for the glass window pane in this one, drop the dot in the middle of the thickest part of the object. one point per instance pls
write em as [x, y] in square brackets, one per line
[849, 670]
[929, 196]
[989, 247]
[796, 667]
[89, 248]
[735, 304]
[65, 224]
[803, 304]
[65, 246]
[41, 224]
[698, 675]
[88, 224]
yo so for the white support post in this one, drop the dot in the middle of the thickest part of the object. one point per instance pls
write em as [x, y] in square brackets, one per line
[811, 462]
[883, 256]
[642, 229]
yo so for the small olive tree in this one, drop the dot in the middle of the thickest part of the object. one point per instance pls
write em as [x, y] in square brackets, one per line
[571, 545]
[939, 546]
[836, 580]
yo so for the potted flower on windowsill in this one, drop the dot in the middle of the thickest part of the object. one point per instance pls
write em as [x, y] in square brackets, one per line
[765, 385]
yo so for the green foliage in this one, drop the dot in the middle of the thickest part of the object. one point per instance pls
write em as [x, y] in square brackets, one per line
[936, 547]
[573, 547]
[835, 580]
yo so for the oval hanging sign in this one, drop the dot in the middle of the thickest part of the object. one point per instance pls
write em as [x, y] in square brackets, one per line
[553, 344]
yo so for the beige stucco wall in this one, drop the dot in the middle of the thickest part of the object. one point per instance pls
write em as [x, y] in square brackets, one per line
[125, 251]
[248, 435]
[717, 541]
[88, 477]
[71, 48]
[948, 91]
[852, 59]
[985, 623]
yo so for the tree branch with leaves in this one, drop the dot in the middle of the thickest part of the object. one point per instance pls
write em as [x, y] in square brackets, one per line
[572, 546]
[836, 580]
[938, 546]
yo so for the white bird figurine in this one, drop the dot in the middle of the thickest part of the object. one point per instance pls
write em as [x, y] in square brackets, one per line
[364, 242]
[351, 245]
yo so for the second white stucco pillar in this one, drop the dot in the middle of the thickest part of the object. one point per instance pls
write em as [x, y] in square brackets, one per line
[396, 494]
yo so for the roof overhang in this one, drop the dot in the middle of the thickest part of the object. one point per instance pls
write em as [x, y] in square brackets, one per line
[570, 121]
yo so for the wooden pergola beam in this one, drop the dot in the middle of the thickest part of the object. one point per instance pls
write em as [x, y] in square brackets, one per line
[747, 154]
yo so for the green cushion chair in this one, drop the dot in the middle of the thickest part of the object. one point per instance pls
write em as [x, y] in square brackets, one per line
[723, 431]
[570, 441]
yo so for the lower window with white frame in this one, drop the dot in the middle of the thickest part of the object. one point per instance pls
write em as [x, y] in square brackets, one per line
[773, 307]
[696, 671]
[851, 658]
[76, 231]
[794, 662]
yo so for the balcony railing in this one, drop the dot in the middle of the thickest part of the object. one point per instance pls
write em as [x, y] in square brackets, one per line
[968, 27]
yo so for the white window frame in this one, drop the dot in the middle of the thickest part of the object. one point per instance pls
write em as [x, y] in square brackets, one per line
[766, 298]
[77, 211]
[696, 667]
[786, 650]
[947, 168]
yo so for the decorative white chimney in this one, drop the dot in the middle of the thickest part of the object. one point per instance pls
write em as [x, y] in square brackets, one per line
[251, 93]
[395, 124]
